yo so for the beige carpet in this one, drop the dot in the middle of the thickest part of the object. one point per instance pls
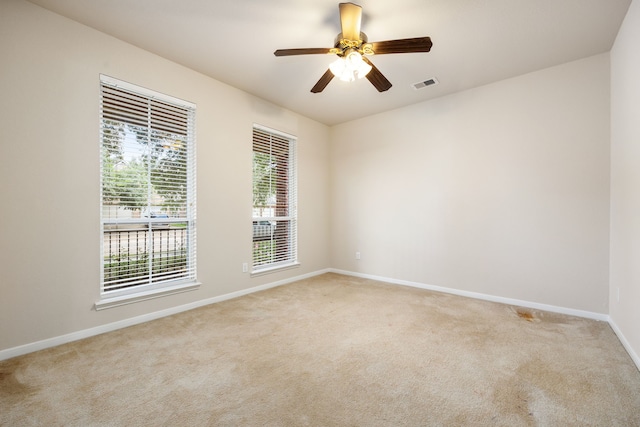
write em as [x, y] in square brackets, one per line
[333, 351]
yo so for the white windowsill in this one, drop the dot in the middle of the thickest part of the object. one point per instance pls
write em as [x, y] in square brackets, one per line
[117, 301]
[263, 271]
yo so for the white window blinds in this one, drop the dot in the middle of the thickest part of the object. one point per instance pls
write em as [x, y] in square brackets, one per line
[148, 188]
[274, 199]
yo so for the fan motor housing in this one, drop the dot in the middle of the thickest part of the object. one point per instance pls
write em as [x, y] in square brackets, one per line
[339, 41]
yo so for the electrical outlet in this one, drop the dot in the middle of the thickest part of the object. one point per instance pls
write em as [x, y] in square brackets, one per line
[245, 267]
[357, 255]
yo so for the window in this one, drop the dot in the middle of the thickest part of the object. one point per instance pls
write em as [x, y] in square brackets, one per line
[274, 200]
[147, 192]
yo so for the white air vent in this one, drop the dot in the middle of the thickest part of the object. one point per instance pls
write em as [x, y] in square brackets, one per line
[429, 82]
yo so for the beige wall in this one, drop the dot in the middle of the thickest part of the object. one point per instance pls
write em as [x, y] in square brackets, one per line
[49, 175]
[501, 190]
[625, 181]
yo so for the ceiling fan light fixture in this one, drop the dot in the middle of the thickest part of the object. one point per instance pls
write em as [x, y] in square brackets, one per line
[350, 67]
[350, 45]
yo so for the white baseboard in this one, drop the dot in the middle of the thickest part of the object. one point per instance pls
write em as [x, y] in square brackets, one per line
[509, 301]
[625, 343]
[86, 333]
[486, 297]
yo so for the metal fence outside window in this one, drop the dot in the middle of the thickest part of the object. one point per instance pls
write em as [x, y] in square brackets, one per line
[134, 256]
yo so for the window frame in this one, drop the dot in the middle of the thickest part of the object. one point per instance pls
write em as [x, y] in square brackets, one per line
[285, 213]
[179, 277]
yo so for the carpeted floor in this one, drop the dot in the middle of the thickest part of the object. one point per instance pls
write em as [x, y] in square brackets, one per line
[333, 351]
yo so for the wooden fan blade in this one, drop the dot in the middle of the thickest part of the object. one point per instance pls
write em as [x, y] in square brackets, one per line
[304, 51]
[350, 18]
[418, 44]
[323, 82]
[377, 78]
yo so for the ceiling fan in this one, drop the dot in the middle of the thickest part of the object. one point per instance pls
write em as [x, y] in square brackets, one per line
[353, 47]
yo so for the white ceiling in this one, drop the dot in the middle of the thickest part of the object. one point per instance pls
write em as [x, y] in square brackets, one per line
[475, 42]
